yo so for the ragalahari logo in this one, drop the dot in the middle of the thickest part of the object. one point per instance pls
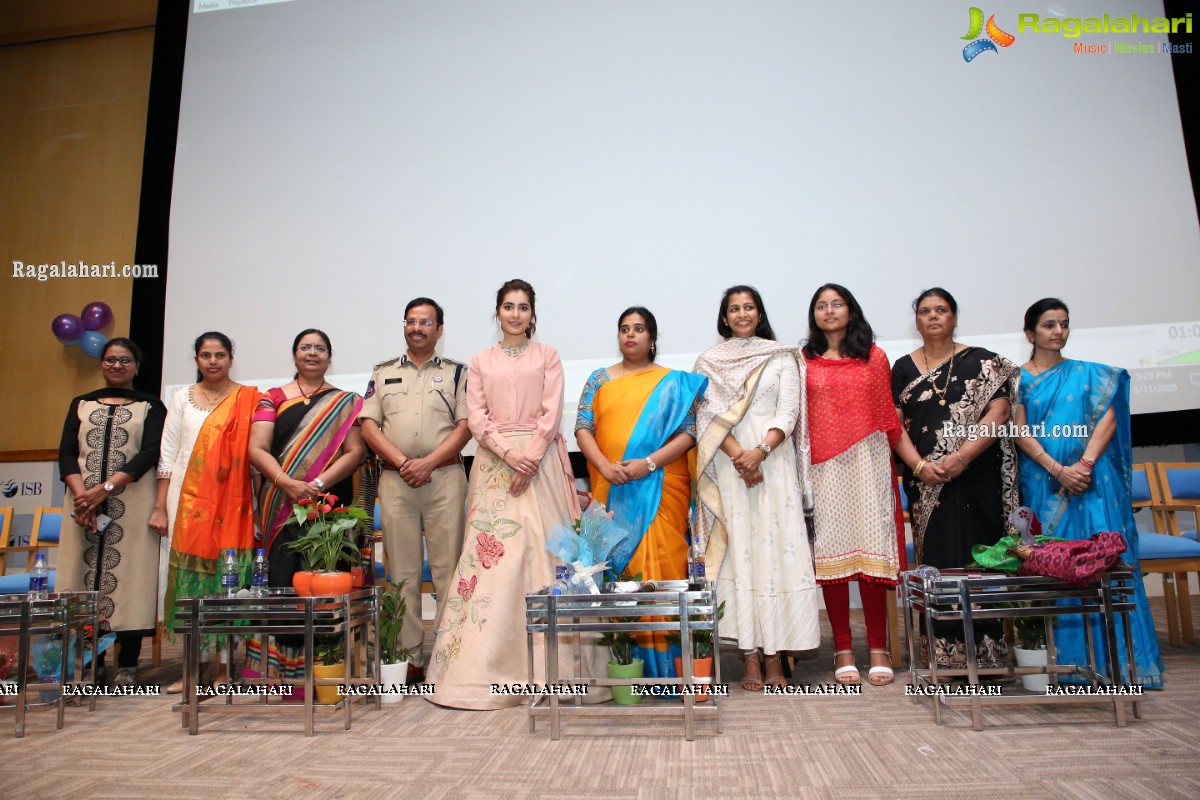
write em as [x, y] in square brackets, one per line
[994, 34]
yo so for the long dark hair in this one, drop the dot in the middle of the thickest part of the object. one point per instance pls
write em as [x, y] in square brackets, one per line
[859, 335]
[518, 285]
[324, 337]
[763, 331]
[651, 325]
[216, 336]
[1035, 311]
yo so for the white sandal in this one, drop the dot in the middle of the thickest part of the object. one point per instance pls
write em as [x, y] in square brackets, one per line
[850, 671]
[884, 672]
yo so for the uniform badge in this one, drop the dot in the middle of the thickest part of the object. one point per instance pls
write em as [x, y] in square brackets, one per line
[437, 378]
[370, 390]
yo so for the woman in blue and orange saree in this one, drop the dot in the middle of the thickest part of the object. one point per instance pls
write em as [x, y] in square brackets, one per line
[304, 443]
[636, 425]
[1076, 470]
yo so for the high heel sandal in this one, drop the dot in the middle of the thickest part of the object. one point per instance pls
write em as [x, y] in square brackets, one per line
[774, 667]
[881, 674]
[848, 673]
[752, 679]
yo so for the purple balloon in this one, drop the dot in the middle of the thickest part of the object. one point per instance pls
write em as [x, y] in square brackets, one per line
[96, 316]
[93, 343]
[67, 328]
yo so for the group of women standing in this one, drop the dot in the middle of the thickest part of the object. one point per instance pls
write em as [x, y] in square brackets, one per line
[779, 446]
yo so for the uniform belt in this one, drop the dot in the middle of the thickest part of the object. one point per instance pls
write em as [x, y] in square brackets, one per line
[454, 459]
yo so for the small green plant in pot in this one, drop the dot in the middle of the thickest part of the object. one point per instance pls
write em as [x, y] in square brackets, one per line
[1031, 649]
[393, 670]
[326, 541]
[622, 665]
[330, 663]
[702, 653]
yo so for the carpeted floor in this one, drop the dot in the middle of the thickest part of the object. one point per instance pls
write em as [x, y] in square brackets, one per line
[881, 744]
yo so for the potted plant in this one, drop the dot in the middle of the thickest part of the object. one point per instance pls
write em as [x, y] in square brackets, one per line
[393, 669]
[325, 541]
[622, 665]
[702, 655]
[331, 663]
[1030, 649]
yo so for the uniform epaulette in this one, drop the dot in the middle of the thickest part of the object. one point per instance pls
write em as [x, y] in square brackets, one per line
[386, 363]
[453, 362]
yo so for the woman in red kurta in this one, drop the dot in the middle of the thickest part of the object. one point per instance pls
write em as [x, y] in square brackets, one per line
[852, 427]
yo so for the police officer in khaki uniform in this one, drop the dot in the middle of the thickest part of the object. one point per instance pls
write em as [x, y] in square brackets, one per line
[414, 417]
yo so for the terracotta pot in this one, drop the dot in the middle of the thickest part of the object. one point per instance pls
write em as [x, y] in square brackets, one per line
[329, 694]
[332, 584]
[703, 668]
[302, 583]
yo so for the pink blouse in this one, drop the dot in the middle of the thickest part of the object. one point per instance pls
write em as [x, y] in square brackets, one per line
[516, 394]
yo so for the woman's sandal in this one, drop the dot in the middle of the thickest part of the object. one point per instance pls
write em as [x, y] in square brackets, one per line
[752, 680]
[774, 668]
[881, 674]
[847, 675]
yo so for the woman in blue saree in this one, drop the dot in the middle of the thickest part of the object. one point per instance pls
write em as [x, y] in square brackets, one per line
[636, 424]
[1076, 469]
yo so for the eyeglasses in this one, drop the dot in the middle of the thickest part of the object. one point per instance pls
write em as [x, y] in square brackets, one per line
[112, 361]
[421, 323]
[836, 305]
[319, 349]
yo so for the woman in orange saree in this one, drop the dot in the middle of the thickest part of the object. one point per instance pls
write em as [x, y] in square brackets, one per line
[636, 425]
[204, 497]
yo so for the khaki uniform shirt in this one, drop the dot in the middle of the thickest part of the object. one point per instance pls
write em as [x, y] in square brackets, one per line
[416, 408]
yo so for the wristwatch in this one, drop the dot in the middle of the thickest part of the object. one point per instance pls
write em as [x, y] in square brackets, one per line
[650, 464]
[108, 487]
[766, 448]
[320, 483]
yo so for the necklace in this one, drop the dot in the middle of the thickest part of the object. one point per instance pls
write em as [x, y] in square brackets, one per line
[305, 394]
[941, 393]
[1033, 366]
[513, 352]
[208, 398]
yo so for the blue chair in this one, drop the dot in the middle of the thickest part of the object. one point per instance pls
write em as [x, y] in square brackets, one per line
[47, 527]
[1180, 487]
[909, 548]
[1167, 553]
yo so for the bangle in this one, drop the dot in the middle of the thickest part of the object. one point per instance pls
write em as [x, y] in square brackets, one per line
[960, 459]
[920, 466]
[1087, 462]
[1039, 455]
[275, 480]
[1060, 469]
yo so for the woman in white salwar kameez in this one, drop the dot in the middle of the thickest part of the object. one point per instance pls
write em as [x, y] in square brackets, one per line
[752, 463]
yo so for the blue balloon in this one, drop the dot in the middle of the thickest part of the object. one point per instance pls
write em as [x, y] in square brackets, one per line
[93, 343]
[68, 343]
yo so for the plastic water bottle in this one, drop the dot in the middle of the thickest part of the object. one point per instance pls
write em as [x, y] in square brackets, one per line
[230, 580]
[39, 578]
[562, 576]
[696, 576]
[259, 580]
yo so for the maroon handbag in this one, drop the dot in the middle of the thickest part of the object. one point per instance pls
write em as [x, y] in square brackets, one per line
[1077, 562]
